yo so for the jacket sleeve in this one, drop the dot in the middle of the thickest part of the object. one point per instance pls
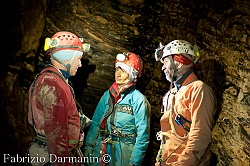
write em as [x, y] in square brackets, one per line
[142, 121]
[93, 131]
[202, 106]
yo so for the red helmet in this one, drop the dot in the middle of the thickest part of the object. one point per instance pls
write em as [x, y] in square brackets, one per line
[64, 41]
[132, 60]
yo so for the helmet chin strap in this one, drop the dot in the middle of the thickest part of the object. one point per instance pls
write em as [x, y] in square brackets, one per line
[68, 66]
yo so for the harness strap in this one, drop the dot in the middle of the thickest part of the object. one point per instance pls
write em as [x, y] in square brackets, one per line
[120, 135]
[40, 137]
[110, 109]
[160, 158]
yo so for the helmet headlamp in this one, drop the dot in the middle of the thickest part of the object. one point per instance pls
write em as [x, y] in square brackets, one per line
[86, 47]
[121, 57]
[159, 52]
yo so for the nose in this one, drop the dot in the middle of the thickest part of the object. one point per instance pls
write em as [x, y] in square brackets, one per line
[80, 63]
[118, 72]
[163, 67]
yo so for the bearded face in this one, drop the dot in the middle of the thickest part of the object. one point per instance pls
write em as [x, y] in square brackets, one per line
[167, 69]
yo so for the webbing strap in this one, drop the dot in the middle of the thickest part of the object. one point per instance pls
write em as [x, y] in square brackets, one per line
[110, 109]
[40, 137]
[121, 135]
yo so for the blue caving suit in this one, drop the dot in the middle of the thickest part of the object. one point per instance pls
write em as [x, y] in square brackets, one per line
[123, 120]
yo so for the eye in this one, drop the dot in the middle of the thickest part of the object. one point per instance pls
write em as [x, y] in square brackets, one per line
[123, 70]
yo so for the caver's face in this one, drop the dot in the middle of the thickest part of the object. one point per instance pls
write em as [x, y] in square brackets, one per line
[121, 76]
[75, 64]
[167, 69]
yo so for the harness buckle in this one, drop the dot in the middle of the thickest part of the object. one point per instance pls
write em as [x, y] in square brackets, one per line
[159, 136]
[116, 132]
[106, 140]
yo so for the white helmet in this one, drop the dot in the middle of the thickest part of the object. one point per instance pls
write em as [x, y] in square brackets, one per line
[178, 47]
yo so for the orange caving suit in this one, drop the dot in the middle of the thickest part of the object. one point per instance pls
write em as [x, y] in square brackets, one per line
[196, 102]
[55, 113]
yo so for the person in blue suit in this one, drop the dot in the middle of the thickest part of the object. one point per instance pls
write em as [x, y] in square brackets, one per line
[120, 131]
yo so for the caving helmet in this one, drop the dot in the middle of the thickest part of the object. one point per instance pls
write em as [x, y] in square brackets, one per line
[65, 46]
[65, 41]
[131, 63]
[177, 47]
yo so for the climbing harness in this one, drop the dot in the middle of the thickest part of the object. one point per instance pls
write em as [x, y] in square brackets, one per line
[180, 120]
[115, 134]
[112, 137]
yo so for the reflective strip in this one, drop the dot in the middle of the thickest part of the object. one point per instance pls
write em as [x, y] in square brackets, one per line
[124, 108]
[72, 142]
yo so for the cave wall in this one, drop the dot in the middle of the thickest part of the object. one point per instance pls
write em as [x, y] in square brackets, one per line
[219, 28]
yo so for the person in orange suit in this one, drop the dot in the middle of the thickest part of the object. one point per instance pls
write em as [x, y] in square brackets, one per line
[188, 108]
